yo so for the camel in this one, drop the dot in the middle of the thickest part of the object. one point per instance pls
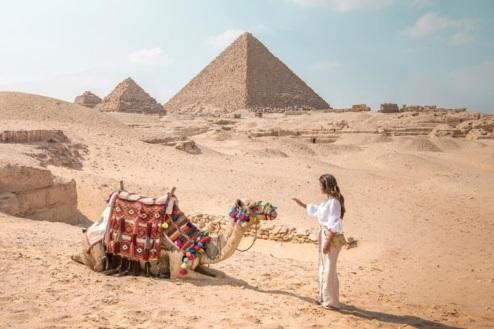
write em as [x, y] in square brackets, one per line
[218, 248]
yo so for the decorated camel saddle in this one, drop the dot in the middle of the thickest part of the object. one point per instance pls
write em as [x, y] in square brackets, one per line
[139, 227]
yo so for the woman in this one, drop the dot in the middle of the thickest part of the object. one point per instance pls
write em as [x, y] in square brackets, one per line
[329, 214]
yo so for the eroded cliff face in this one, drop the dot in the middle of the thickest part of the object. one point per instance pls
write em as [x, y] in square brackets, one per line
[35, 193]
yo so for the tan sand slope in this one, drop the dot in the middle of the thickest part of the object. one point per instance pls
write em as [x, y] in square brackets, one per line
[422, 218]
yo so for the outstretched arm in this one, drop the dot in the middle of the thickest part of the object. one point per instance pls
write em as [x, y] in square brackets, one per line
[300, 203]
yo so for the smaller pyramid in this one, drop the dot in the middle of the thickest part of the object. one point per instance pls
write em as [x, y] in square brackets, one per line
[128, 96]
[87, 99]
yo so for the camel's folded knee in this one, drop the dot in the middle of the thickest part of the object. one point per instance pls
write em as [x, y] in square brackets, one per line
[77, 258]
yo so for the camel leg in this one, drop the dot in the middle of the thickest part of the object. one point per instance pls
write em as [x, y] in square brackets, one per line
[77, 258]
[176, 261]
[115, 265]
[193, 275]
[124, 267]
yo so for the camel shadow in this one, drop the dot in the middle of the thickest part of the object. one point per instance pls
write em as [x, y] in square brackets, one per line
[222, 279]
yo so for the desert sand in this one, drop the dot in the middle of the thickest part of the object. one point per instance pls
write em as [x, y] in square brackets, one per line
[421, 207]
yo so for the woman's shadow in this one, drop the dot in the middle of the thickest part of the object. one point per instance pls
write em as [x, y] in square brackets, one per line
[223, 279]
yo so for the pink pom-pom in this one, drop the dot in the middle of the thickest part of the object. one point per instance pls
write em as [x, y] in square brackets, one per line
[182, 271]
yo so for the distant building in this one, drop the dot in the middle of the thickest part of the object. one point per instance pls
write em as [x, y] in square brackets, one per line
[389, 108]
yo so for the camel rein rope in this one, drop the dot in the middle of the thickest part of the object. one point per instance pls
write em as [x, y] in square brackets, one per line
[253, 241]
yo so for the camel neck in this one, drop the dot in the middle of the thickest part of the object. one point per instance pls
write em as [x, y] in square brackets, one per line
[233, 239]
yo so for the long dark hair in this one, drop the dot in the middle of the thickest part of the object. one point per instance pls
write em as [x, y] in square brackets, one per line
[330, 187]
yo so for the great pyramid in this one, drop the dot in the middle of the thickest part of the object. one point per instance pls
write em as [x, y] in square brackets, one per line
[128, 96]
[246, 75]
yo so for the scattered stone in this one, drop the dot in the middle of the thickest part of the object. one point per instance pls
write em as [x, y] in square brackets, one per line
[188, 146]
[479, 133]
[430, 108]
[446, 130]
[354, 108]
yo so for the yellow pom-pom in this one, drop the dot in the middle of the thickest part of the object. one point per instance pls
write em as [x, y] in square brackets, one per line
[184, 266]
[164, 226]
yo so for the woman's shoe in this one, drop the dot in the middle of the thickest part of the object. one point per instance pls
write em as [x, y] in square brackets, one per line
[332, 307]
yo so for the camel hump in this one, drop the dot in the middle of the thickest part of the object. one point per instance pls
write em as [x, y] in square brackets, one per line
[124, 195]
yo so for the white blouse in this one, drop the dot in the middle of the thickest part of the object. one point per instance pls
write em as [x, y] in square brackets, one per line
[328, 214]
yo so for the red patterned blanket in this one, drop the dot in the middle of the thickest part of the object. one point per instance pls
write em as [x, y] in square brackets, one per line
[138, 227]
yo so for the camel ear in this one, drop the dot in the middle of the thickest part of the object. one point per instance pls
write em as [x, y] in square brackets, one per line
[239, 203]
[248, 203]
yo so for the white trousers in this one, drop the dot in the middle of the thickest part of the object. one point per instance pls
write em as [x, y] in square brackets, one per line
[329, 286]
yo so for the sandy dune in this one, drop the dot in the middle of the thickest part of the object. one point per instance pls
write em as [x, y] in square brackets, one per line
[421, 208]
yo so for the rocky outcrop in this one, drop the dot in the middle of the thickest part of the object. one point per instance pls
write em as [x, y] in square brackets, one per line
[87, 99]
[35, 193]
[479, 133]
[128, 96]
[446, 130]
[33, 136]
[486, 124]
[53, 147]
[430, 108]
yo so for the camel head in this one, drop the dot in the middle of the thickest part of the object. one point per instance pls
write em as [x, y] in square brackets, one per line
[246, 212]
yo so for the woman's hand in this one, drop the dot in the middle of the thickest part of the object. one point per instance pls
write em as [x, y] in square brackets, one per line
[327, 248]
[300, 203]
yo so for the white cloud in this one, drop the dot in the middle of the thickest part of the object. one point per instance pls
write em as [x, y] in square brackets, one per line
[427, 25]
[153, 56]
[432, 23]
[326, 65]
[461, 37]
[224, 38]
[346, 5]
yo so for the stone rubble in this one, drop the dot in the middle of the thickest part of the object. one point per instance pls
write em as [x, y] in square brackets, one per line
[266, 231]
[88, 99]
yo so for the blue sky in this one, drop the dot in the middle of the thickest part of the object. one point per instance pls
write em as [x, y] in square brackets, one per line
[349, 51]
